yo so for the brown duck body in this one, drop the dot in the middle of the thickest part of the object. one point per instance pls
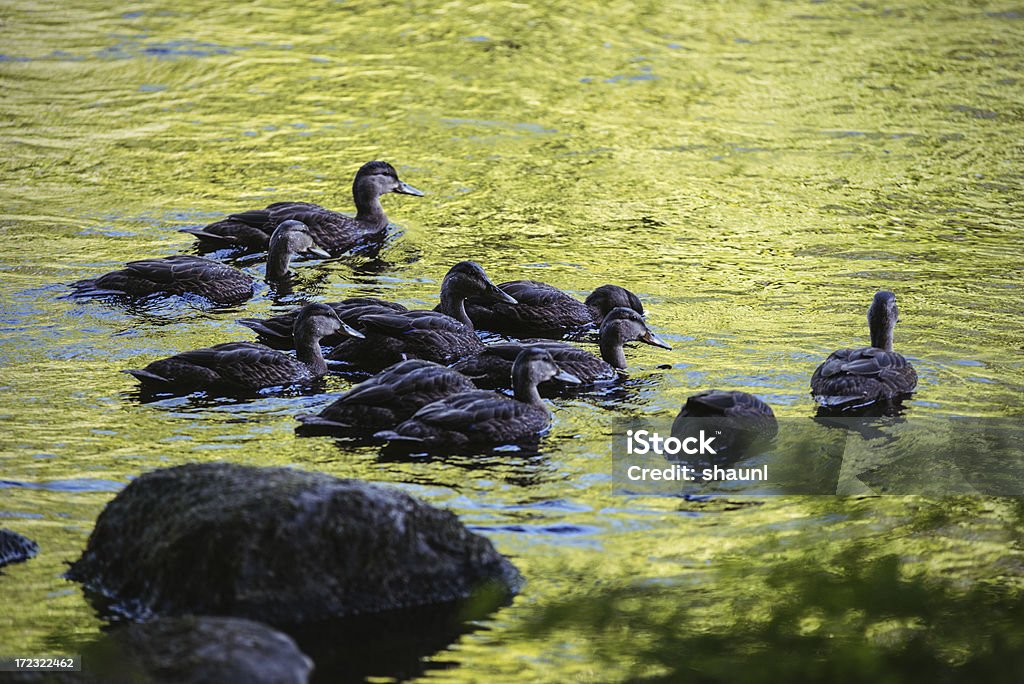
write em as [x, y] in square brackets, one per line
[739, 421]
[229, 367]
[543, 310]
[277, 331]
[386, 399]
[244, 367]
[442, 336]
[492, 367]
[390, 338]
[174, 275]
[333, 231]
[862, 375]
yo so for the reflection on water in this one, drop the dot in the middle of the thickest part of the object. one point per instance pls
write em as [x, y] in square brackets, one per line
[755, 172]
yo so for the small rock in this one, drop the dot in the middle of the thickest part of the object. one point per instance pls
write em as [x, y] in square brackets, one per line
[14, 548]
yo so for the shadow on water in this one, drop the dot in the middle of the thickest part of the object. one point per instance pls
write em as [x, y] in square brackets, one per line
[853, 619]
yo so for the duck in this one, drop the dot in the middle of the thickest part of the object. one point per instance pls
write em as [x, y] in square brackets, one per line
[276, 331]
[739, 420]
[386, 399]
[491, 368]
[244, 367]
[333, 231]
[481, 420]
[850, 378]
[184, 274]
[543, 310]
[443, 335]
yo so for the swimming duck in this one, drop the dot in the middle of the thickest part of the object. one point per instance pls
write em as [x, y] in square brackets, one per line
[739, 421]
[482, 419]
[545, 311]
[246, 366]
[443, 335]
[276, 331]
[335, 232]
[492, 367]
[386, 399]
[184, 274]
[855, 377]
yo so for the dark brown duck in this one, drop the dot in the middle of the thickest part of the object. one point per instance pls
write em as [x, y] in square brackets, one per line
[482, 420]
[492, 368]
[244, 367]
[855, 377]
[183, 274]
[333, 231]
[545, 311]
[443, 335]
[386, 399]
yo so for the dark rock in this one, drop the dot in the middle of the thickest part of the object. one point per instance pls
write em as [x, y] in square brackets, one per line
[14, 548]
[187, 650]
[282, 546]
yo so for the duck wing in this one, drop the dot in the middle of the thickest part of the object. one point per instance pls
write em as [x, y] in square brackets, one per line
[726, 403]
[332, 230]
[395, 337]
[179, 274]
[478, 418]
[542, 311]
[389, 397]
[276, 331]
[492, 367]
[862, 374]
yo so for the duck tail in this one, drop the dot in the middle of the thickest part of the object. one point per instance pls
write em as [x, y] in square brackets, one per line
[313, 424]
[145, 376]
[396, 438]
[213, 237]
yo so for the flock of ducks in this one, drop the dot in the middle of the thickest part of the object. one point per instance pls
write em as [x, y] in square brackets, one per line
[433, 377]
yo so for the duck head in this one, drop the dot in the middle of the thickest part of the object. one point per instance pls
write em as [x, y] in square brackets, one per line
[289, 239]
[622, 325]
[883, 315]
[532, 367]
[608, 297]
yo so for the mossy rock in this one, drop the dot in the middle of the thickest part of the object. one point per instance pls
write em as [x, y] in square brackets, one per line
[281, 546]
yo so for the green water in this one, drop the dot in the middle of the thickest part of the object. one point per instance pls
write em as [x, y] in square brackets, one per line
[754, 171]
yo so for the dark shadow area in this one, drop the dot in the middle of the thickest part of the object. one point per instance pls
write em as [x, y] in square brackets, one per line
[847, 620]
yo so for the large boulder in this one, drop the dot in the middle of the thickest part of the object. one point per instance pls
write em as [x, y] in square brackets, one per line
[281, 546]
[14, 548]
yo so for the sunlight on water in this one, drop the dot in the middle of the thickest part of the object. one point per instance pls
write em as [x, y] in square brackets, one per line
[754, 171]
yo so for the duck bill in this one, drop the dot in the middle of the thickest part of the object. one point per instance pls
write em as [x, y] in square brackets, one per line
[346, 329]
[652, 339]
[318, 251]
[567, 377]
[406, 189]
[496, 294]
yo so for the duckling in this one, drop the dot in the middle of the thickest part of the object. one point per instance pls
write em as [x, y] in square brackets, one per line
[246, 366]
[443, 335]
[482, 419]
[545, 311]
[739, 421]
[855, 377]
[335, 232]
[386, 399]
[276, 331]
[183, 274]
[491, 368]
